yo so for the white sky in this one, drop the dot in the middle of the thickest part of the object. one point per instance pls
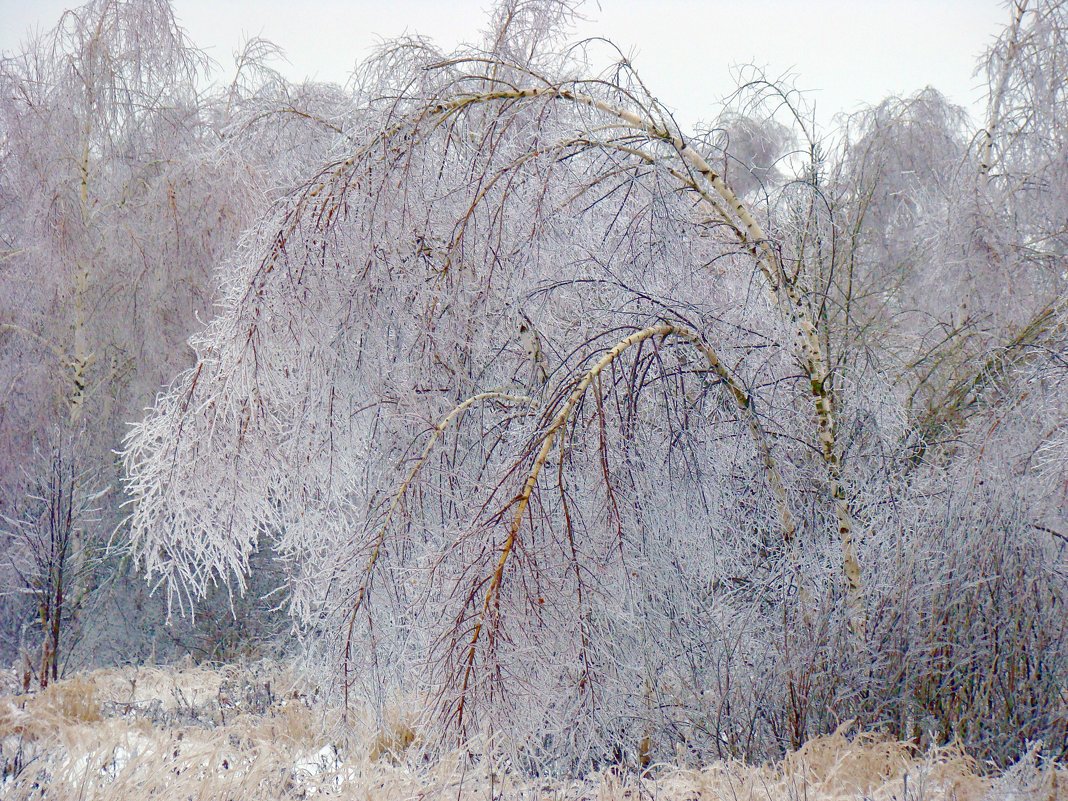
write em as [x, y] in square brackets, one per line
[845, 52]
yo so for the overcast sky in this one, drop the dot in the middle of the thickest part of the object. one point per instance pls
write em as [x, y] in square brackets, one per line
[845, 52]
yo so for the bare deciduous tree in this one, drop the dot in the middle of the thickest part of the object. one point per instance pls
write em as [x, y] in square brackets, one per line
[51, 547]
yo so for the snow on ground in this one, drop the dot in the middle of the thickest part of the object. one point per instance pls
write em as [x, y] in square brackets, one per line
[259, 733]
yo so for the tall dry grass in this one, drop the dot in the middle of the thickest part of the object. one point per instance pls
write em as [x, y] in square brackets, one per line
[259, 732]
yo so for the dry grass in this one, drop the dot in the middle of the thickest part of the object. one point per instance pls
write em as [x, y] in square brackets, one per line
[256, 733]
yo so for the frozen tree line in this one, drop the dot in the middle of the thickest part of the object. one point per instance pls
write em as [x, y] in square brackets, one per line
[124, 182]
[585, 437]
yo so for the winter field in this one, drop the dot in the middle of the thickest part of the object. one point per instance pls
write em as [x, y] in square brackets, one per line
[260, 732]
[574, 452]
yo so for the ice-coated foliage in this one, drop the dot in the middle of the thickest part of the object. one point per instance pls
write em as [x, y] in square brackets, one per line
[123, 184]
[596, 441]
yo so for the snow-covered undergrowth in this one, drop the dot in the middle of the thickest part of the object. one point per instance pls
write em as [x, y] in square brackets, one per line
[260, 732]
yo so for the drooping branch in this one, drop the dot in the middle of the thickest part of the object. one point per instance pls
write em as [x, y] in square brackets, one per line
[491, 599]
[950, 413]
[398, 497]
[783, 286]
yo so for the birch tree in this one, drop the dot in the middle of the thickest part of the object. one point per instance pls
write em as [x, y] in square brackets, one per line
[401, 274]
